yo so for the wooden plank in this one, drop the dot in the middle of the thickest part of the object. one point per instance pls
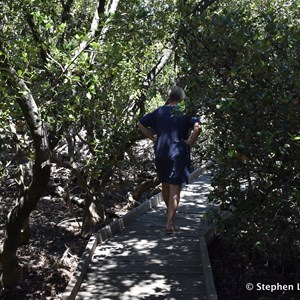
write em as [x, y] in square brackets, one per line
[175, 252]
[137, 259]
[159, 231]
[140, 269]
[128, 254]
[75, 282]
[141, 209]
[167, 296]
[194, 175]
[162, 255]
[182, 216]
[150, 246]
[141, 286]
[162, 237]
[209, 281]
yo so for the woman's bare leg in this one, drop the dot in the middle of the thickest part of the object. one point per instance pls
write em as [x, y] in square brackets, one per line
[165, 191]
[173, 204]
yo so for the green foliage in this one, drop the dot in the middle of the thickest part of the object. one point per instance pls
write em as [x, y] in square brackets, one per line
[242, 62]
[85, 83]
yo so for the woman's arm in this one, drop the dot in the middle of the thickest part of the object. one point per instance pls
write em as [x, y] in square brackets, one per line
[194, 135]
[148, 133]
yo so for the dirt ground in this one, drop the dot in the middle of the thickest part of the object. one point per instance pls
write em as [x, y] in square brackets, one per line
[52, 254]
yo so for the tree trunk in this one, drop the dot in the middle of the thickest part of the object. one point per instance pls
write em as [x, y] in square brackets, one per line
[145, 186]
[93, 214]
[93, 211]
[17, 225]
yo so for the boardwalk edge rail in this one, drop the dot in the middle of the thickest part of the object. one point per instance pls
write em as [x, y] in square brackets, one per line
[110, 230]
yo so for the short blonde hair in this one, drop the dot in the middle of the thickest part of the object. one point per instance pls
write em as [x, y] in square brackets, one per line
[176, 93]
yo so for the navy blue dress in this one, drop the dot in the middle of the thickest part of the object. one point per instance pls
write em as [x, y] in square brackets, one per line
[172, 154]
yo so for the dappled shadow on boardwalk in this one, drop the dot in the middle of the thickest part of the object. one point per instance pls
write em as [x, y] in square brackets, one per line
[142, 262]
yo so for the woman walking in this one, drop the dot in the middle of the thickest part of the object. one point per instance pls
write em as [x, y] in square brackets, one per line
[169, 129]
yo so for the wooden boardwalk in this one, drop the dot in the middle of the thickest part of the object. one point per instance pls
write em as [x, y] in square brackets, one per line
[142, 262]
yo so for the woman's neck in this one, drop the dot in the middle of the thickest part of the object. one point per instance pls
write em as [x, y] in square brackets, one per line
[172, 103]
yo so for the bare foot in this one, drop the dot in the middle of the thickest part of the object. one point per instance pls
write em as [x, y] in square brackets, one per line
[171, 229]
